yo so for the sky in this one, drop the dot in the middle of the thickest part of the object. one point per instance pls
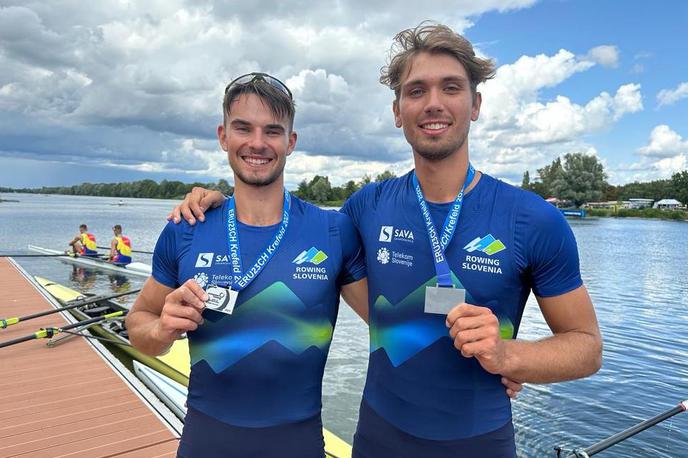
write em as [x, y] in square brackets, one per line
[118, 90]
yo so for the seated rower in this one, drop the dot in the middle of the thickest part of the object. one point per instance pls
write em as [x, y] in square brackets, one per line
[120, 247]
[84, 243]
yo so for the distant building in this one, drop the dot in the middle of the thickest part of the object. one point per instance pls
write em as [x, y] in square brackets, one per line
[640, 203]
[559, 203]
[609, 204]
[667, 204]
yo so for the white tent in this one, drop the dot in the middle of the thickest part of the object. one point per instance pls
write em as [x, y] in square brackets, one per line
[667, 203]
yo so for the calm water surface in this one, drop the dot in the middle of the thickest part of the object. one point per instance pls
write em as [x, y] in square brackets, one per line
[636, 271]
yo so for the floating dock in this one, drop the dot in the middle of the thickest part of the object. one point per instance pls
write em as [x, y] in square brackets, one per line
[72, 400]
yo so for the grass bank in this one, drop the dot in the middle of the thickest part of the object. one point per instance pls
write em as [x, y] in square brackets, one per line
[656, 213]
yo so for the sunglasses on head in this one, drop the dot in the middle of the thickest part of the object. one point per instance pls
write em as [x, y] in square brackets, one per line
[264, 77]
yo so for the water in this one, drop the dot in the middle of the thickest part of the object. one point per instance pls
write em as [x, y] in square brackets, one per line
[634, 269]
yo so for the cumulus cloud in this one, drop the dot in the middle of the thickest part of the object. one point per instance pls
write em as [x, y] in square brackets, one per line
[664, 143]
[665, 154]
[138, 85]
[671, 96]
[606, 55]
[519, 131]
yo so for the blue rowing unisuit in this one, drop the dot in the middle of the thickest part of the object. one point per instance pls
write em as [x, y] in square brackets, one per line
[507, 243]
[262, 366]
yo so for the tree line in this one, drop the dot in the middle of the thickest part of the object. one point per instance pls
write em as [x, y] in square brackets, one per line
[317, 190]
[166, 189]
[320, 191]
[581, 178]
[575, 177]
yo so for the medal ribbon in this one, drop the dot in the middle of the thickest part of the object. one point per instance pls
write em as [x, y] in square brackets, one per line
[240, 279]
[439, 243]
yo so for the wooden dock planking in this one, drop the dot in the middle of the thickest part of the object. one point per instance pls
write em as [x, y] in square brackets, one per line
[66, 401]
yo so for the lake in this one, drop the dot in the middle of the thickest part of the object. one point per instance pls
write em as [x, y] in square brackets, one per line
[635, 270]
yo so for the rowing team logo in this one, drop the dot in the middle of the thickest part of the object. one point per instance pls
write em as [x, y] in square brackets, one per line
[488, 245]
[314, 271]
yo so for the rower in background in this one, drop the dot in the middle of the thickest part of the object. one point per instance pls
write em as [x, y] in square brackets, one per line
[84, 243]
[120, 247]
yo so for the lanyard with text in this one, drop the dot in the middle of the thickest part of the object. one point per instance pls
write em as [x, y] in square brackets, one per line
[439, 243]
[223, 298]
[240, 279]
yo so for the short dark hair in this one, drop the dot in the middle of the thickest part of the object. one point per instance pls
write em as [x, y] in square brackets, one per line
[280, 104]
[434, 39]
[83, 226]
[117, 227]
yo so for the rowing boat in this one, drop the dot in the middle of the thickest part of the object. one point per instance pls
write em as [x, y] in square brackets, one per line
[175, 364]
[173, 395]
[135, 268]
[167, 376]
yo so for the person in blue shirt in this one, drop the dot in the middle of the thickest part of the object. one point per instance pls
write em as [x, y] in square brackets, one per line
[452, 255]
[257, 291]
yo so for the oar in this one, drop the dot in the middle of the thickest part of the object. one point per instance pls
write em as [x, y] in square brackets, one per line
[35, 255]
[91, 300]
[44, 333]
[133, 251]
[625, 434]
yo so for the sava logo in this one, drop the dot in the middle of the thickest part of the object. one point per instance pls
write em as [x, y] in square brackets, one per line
[388, 233]
[222, 259]
[204, 260]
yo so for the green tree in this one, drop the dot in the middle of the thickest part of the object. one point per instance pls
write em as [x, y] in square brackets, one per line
[302, 191]
[386, 175]
[679, 182]
[349, 188]
[550, 174]
[525, 183]
[320, 189]
[581, 178]
[224, 187]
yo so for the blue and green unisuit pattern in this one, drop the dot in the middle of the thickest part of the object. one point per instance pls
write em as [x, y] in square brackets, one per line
[507, 243]
[262, 366]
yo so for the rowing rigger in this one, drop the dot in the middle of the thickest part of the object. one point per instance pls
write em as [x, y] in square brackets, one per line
[4, 323]
[47, 333]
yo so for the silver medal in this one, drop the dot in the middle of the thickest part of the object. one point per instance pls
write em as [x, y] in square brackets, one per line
[221, 299]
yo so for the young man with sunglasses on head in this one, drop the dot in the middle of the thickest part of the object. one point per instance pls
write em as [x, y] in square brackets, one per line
[446, 302]
[257, 290]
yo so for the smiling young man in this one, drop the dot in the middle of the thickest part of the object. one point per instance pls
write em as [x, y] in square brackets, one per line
[257, 290]
[452, 255]
[477, 242]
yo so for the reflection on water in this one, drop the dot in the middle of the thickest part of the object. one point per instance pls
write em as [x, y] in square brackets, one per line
[634, 269]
